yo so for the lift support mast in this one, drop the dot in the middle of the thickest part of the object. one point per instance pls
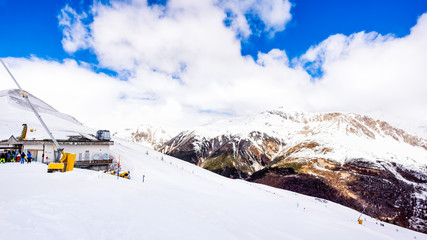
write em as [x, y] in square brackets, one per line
[25, 96]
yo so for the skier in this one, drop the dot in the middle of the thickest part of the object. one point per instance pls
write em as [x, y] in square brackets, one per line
[2, 158]
[18, 158]
[143, 177]
[29, 157]
[23, 157]
[8, 156]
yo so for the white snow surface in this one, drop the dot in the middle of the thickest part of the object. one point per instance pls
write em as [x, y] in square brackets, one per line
[177, 200]
[14, 112]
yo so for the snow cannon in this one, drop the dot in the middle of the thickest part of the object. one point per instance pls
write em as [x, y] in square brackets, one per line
[66, 163]
[23, 133]
[123, 174]
[360, 221]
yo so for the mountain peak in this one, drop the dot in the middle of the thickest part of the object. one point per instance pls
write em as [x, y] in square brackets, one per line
[344, 157]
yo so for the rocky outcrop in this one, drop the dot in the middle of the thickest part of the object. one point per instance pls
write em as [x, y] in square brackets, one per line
[382, 190]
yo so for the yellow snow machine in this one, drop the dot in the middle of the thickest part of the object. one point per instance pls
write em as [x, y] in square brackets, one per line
[123, 174]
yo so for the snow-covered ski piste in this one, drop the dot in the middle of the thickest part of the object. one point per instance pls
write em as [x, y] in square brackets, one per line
[177, 200]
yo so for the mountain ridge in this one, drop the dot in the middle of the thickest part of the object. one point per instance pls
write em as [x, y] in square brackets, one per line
[350, 159]
[283, 129]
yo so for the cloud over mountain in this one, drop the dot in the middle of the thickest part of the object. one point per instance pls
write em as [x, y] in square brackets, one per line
[182, 64]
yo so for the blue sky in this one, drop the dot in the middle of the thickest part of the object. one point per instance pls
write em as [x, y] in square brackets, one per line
[186, 63]
[313, 21]
[30, 27]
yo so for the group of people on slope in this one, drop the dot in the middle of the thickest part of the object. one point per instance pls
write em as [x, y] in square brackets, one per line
[15, 156]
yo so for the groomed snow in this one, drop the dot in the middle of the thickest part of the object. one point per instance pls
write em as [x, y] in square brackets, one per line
[177, 201]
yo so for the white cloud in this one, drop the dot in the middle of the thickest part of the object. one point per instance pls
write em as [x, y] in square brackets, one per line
[74, 31]
[371, 73]
[182, 54]
[92, 98]
[186, 68]
[274, 14]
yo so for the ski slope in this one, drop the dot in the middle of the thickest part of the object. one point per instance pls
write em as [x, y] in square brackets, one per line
[177, 200]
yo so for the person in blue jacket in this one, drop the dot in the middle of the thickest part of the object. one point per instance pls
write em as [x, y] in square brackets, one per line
[29, 157]
[23, 157]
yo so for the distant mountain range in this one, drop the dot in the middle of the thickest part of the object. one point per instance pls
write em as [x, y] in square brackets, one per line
[350, 159]
[145, 134]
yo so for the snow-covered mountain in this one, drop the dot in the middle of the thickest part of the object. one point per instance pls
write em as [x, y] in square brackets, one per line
[347, 158]
[145, 134]
[15, 111]
[422, 129]
[16, 101]
[276, 133]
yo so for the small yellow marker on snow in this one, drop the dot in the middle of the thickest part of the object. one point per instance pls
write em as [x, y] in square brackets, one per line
[360, 220]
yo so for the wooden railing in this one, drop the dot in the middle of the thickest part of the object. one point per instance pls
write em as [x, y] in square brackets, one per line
[93, 162]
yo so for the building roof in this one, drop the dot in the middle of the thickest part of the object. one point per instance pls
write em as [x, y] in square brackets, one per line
[72, 140]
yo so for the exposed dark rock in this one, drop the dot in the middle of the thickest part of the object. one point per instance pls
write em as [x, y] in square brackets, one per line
[381, 187]
[383, 195]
